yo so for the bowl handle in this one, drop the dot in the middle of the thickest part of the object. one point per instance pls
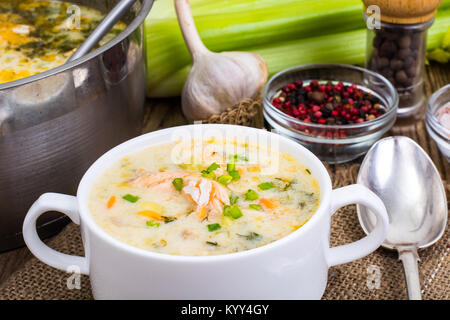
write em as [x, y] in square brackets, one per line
[358, 194]
[53, 202]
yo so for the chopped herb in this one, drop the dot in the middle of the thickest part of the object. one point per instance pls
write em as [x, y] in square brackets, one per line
[207, 174]
[225, 179]
[251, 195]
[266, 185]
[213, 167]
[231, 166]
[287, 185]
[255, 207]
[302, 204]
[152, 223]
[309, 195]
[211, 243]
[251, 236]
[233, 212]
[234, 198]
[307, 170]
[168, 219]
[130, 198]
[213, 227]
[178, 183]
[238, 157]
[234, 174]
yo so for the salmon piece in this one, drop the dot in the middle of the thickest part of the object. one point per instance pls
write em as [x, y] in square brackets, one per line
[188, 234]
[208, 196]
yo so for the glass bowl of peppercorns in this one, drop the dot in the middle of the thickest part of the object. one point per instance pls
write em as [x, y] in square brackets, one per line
[438, 119]
[336, 111]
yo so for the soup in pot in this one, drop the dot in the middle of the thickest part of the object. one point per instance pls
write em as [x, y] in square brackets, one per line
[219, 202]
[36, 36]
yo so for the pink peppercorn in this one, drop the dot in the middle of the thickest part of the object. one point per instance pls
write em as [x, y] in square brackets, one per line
[299, 83]
[327, 103]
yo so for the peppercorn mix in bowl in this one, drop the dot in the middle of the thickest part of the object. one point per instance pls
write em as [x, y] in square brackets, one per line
[336, 111]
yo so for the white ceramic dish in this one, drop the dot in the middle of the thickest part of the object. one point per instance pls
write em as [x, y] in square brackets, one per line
[294, 267]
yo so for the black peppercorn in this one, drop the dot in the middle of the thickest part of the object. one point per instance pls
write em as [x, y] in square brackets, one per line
[404, 42]
[396, 64]
[401, 77]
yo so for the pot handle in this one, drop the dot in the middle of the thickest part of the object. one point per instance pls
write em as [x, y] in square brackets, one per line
[52, 202]
[358, 194]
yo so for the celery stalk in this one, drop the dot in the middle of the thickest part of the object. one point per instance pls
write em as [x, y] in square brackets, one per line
[285, 32]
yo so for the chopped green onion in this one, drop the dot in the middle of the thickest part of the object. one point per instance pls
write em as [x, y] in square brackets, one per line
[211, 243]
[251, 195]
[213, 167]
[225, 179]
[233, 212]
[130, 198]
[213, 227]
[234, 198]
[168, 219]
[234, 174]
[152, 223]
[308, 171]
[266, 185]
[231, 166]
[238, 157]
[178, 183]
[208, 174]
[255, 207]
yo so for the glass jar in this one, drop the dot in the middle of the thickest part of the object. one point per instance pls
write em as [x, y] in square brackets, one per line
[397, 51]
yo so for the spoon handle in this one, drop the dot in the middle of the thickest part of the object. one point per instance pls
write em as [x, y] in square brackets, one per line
[409, 257]
[102, 29]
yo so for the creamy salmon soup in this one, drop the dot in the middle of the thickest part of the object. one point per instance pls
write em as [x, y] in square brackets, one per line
[218, 202]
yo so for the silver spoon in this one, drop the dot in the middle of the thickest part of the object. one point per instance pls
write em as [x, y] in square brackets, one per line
[102, 29]
[400, 172]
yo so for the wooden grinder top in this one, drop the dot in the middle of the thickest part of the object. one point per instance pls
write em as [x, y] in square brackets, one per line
[405, 11]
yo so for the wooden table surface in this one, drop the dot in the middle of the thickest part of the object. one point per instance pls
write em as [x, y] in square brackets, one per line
[163, 113]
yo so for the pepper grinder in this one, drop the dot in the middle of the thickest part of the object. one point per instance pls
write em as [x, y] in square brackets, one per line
[396, 47]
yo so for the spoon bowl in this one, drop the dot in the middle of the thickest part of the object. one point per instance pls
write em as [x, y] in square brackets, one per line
[400, 172]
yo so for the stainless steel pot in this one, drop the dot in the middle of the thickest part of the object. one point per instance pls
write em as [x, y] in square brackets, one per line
[55, 124]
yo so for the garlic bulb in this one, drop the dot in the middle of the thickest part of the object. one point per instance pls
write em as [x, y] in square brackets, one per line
[216, 81]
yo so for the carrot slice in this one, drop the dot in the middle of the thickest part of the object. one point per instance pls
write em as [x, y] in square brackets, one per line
[268, 203]
[151, 214]
[111, 202]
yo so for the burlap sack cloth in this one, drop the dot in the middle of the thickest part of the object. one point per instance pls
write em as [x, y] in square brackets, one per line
[377, 276]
